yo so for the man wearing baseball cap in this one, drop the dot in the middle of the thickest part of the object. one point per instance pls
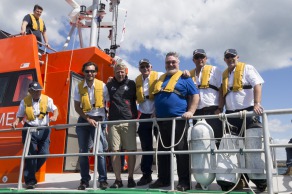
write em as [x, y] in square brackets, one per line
[144, 87]
[35, 108]
[242, 90]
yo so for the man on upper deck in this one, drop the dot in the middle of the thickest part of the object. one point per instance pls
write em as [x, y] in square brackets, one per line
[175, 96]
[33, 24]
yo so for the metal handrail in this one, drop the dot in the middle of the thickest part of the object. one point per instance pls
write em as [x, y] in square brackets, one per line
[266, 150]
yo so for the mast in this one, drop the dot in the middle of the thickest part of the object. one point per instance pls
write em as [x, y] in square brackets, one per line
[93, 32]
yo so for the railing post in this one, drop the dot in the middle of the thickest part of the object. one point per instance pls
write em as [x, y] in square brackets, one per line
[268, 157]
[96, 145]
[171, 154]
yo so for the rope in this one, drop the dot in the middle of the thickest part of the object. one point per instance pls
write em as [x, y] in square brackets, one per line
[71, 55]
[159, 138]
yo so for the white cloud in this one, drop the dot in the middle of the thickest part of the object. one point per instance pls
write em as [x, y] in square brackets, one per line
[259, 30]
[276, 125]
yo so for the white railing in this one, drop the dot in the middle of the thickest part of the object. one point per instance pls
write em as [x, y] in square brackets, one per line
[266, 139]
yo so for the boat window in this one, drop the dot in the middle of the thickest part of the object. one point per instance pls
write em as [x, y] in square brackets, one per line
[22, 87]
[3, 87]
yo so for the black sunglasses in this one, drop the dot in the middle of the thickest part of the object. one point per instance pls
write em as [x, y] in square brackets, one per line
[144, 66]
[199, 57]
[229, 56]
[89, 71]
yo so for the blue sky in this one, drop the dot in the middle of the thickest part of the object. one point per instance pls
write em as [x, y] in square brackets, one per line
[259, 30]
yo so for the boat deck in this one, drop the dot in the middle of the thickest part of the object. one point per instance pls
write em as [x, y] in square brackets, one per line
[68, 182]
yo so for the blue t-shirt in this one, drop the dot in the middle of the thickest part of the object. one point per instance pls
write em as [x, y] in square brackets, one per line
[170, 104]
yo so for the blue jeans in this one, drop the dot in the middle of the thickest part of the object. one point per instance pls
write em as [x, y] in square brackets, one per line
[85, 134]
[146, 138]
[289, 155]
[39, 145]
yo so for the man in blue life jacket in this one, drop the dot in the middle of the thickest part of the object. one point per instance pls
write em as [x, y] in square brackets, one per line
[174, 96]
[33, 24]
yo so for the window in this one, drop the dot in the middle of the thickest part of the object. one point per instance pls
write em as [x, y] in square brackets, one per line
[3, 87]
[22, 87]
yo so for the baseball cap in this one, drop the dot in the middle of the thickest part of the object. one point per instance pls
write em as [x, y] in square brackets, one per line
[35, 86]
[144, 61]
[199, 51]
[230, 51]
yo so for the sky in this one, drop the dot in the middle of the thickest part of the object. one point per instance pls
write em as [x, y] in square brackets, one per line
[259, 30]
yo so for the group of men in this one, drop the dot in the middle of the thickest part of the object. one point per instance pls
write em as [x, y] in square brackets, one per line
[204, 90]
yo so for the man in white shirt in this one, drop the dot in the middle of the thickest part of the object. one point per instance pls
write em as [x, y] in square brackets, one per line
[242, 90]
[35, 108]
[144, 87]
[89, 102]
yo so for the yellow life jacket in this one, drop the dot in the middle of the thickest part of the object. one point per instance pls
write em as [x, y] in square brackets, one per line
[29, 108]
[35, 24]
[170, 85]
[84, 96]
[206, 73]
[139, 86]
[237, 81]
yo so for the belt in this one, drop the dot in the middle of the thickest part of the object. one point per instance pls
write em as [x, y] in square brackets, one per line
[208, 108]
[146, 97]
[96, 118]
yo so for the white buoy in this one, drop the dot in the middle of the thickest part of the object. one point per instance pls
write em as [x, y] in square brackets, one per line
[253, 140]
[227, 160]
[201, 133]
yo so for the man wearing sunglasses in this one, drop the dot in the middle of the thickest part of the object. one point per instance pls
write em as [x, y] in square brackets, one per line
[89, 100]
[144, 91]
[174, 96]
[242, 90]
[208, 80]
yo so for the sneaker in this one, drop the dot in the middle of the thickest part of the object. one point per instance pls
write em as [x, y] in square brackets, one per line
[131, 183]
[183, 186]
[103, 185]
[83, 185]
[159, 183]
[288, 172]
[261, 187]
[31, 185]
[117, 184]
[145, 179]
[198, 186]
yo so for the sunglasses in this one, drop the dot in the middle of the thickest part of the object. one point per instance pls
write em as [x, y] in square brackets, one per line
[199, 57]
[89, 71]
[229, 56]
[144, 66]
[170, 62]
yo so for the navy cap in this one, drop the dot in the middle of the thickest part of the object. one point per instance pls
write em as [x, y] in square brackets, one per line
[35, 86]
[230, 51]
[144, 61]
[199, 51]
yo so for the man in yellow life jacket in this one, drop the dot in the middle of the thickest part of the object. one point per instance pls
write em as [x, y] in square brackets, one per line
[242, 90]
[33, 24]
[89, 102]
[35, 108]
[174, 96]
[144, 91]
[208, 80]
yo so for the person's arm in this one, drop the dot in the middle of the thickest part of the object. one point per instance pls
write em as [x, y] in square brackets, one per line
[55, 115]
[23, 27]
[16, 122]
[257, 90]
[82, 114]
[46, 39]
[221, 102]
[193, 102]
